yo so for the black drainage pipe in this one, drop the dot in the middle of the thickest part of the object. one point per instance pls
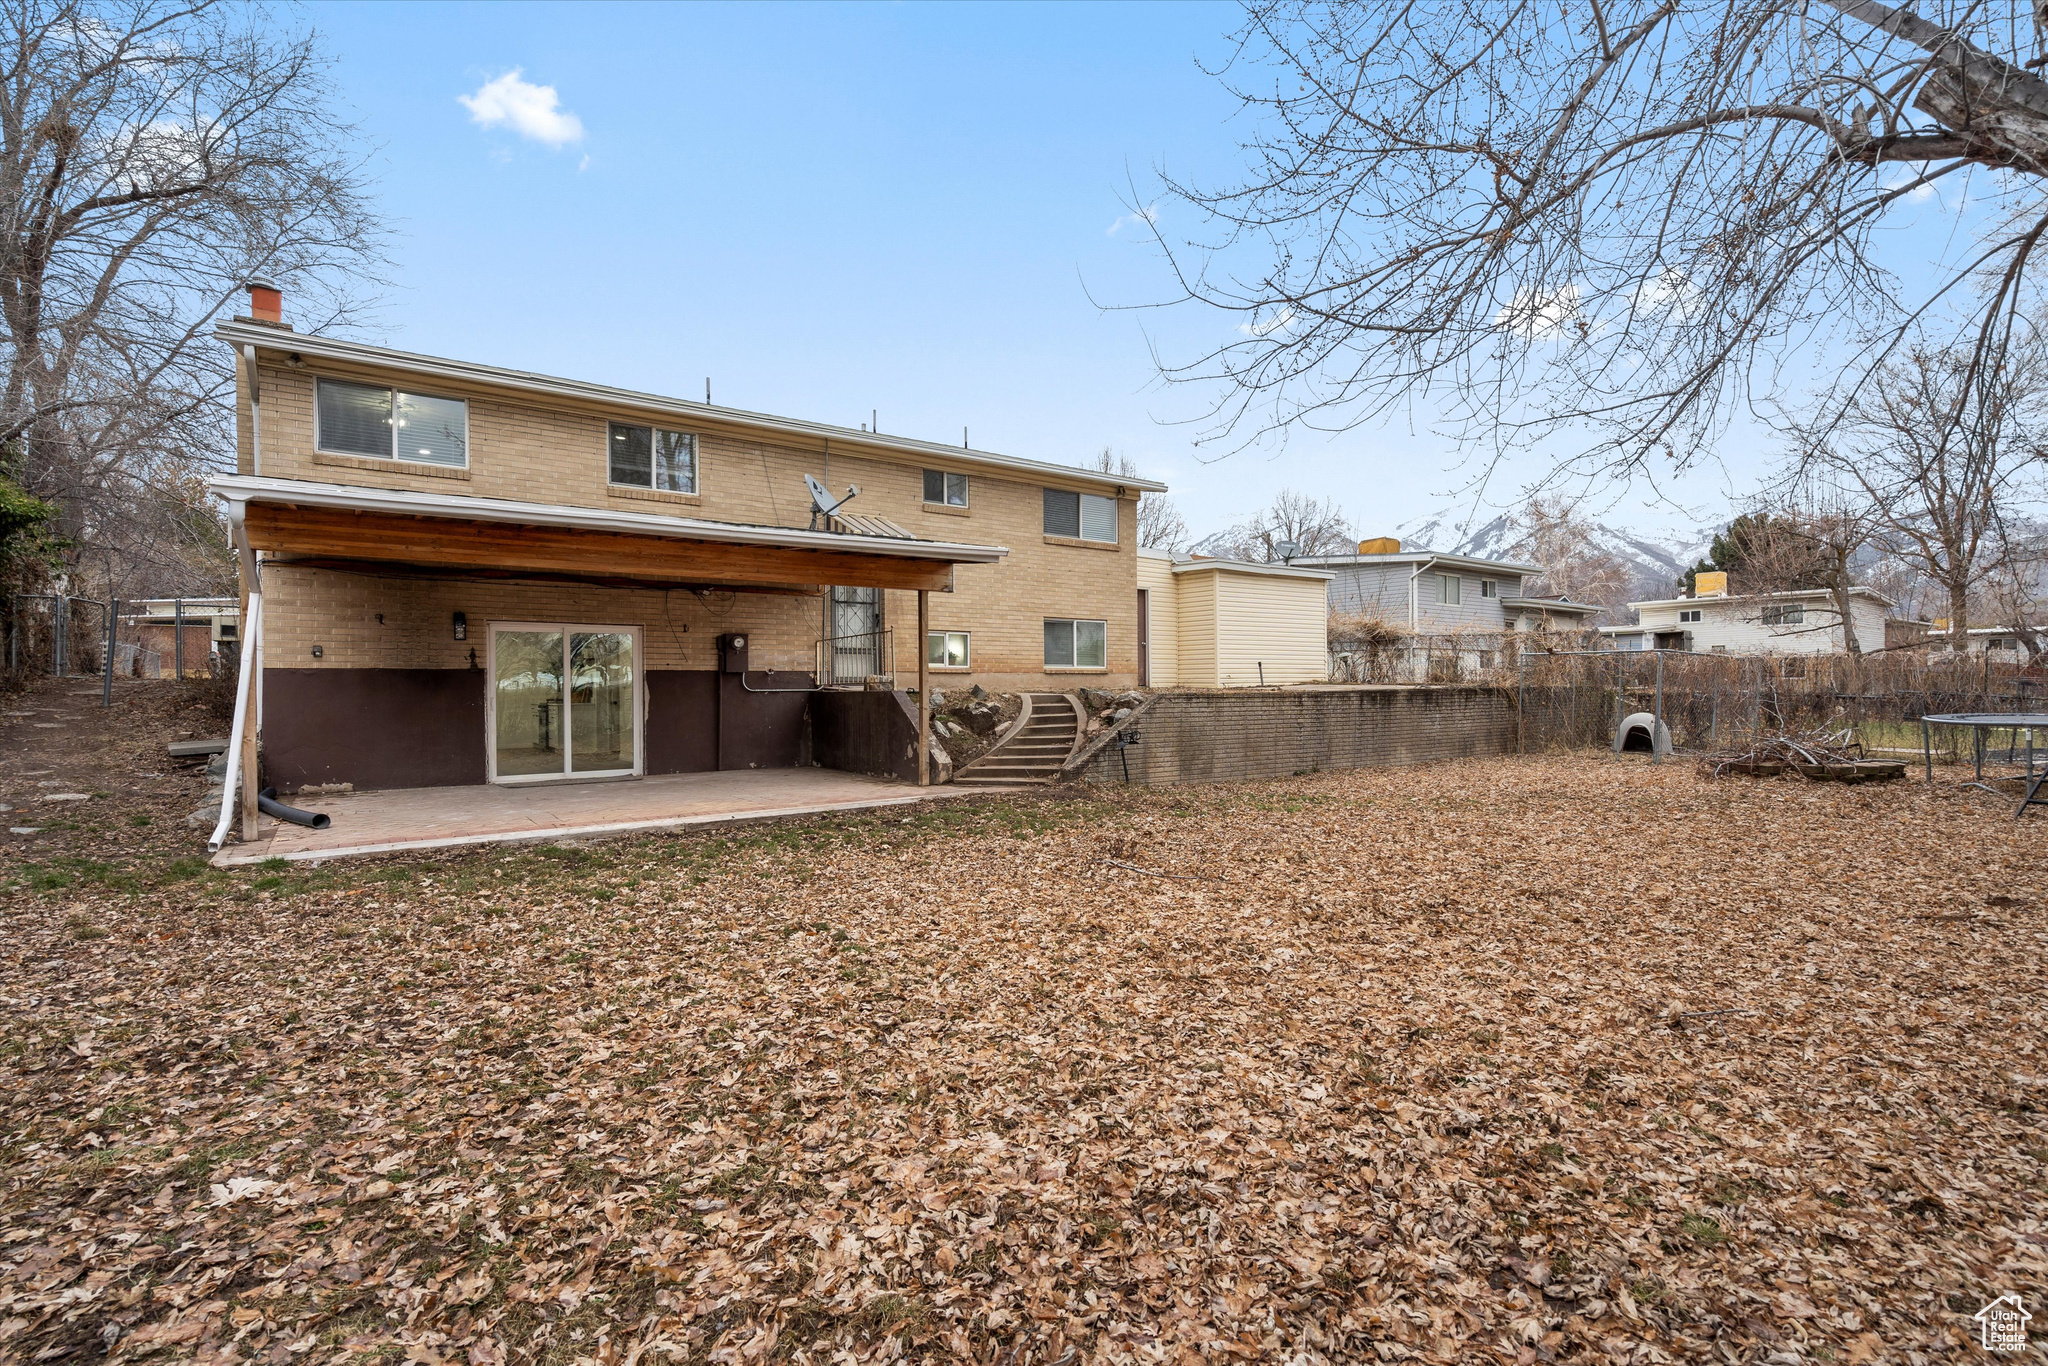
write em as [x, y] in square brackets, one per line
[269, 805]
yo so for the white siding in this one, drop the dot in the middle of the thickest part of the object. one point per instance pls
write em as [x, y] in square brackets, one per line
[1736, 626]
[1280, 623]
[1155, 574]
[1195, 604]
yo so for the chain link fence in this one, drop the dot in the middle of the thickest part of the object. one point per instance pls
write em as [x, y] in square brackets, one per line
[1577, 699]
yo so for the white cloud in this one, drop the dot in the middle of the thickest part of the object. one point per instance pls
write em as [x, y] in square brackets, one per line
[1541, 314]
[1260, 327]
[1896, 177]
[1148, 214]
[532, 111]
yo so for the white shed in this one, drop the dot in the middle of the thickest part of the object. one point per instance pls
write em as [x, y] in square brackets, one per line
[1230, 624]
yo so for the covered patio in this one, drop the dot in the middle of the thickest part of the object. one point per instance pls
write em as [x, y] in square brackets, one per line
[548, 674]
[420, 818]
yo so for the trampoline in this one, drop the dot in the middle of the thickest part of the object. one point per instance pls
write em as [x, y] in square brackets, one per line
[1981, 722]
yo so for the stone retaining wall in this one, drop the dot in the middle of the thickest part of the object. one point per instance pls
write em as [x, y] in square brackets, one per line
[1228, 736]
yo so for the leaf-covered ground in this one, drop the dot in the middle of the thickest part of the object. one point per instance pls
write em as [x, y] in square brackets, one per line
[1559, 1059]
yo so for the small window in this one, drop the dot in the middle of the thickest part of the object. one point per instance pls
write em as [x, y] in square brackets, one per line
[947, 649]
[1488, 588]
[1076, 644]
[650, 458]
[1784, 616]
[390, 424]
[1082, 516]
[1449, 588]
[1688, 614]
[945, 487]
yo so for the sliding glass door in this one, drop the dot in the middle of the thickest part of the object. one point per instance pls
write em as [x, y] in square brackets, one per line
[565, 701]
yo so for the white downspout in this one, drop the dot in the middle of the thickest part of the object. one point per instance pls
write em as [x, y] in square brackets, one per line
[245, 690]
[1414, 607]
[255, 412]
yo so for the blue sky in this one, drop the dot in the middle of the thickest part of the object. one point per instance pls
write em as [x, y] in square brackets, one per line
[911, 210]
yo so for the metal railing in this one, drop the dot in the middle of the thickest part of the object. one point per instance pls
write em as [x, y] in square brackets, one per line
[854, 659]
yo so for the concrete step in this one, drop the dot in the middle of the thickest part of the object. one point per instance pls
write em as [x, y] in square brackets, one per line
[980, 779]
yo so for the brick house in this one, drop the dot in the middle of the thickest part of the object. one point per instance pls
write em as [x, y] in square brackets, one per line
[467, 574]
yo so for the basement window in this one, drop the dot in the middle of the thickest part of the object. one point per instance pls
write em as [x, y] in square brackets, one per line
[947, 649]
[650, 458]
[390, 424]
[1081, 516]
[945, 488]
[1076, 644]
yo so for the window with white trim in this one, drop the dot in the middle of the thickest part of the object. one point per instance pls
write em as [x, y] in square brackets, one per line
[1784, 616]
[1686, 614]
[1488, 588]
[1449, 589]
[1082, 516]
[651, 458]
[389, 424]
[945, 488]
[947, 649]
[1073, 644]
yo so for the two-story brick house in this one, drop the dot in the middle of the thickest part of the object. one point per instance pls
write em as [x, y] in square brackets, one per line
[466, 574]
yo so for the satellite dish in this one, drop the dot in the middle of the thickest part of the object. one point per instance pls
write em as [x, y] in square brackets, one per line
[821, 500]
[1287, 550]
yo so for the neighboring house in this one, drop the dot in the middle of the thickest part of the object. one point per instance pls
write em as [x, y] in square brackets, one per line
[470, 573]
[206, 625]
[1428, 593]
[1800, 621]
[1209, 623]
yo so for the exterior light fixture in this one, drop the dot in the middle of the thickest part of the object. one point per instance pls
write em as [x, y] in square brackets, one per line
[461, 626]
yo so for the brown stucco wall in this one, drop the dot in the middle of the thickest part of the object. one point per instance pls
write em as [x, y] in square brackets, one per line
[1224, 736]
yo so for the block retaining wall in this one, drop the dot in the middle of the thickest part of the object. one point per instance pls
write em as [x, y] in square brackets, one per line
[1232, 736]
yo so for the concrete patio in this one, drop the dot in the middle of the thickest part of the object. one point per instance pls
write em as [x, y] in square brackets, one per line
[402, 819]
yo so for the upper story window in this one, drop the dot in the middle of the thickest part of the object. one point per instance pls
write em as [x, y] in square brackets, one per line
[390, 424]
[946, 488]
[1083, 516]
[1784, 616]
[1450, 588]
[1488, 588]
[1686, 614]
[650, 458]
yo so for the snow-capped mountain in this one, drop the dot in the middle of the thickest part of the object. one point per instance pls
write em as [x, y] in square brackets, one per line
[1656, 561]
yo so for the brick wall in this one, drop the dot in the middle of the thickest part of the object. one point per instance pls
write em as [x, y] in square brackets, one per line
[1227, 736]
[551, 452]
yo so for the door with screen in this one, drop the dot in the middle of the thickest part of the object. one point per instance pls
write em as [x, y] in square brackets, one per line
[565, 701]
[853, 628]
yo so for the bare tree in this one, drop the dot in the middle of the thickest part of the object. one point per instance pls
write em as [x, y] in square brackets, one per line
[1933, 449]
[155, 155]
[1615, 214]
[1552, 532]
[1811, 533]
[1160, 525]
[2015, 588]
[1296, 524]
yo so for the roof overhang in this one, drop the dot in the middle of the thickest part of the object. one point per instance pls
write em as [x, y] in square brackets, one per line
[1423, 557]
[1278, 571]
[1788, 595]
[302, 519]
[625, 402]
[1584, 609]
